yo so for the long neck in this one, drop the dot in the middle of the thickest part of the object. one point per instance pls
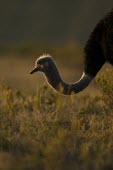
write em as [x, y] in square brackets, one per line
[54, 79]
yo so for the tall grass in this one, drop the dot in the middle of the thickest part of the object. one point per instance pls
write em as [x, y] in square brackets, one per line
[47, 131]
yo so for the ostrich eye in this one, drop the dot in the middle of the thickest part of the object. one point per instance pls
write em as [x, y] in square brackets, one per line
[46, 64]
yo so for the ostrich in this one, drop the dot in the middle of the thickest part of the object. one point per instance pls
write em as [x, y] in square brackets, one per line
[98, 50]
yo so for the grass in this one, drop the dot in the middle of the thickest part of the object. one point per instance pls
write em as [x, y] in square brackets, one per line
[47, 131]
[40, 129]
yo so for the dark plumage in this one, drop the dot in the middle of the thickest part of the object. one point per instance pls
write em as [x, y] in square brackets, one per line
[98, 50]
[99, 47]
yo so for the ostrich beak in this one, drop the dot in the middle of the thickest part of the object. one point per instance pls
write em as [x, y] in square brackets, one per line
[37, 68]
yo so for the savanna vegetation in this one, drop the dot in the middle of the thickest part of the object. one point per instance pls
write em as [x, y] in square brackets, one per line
[46, 131]
[42, 130]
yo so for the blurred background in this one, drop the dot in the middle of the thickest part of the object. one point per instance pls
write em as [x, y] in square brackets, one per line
[31, 28]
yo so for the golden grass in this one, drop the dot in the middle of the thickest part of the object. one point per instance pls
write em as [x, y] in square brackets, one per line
[49, 131]
[39, 129]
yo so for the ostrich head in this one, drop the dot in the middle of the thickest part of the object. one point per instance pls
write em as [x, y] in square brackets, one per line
[44, 64]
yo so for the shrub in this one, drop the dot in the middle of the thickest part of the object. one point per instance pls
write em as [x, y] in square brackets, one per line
[48, 131]
[105, 83]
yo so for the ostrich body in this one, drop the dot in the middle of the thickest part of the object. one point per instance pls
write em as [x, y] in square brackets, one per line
[98, 50]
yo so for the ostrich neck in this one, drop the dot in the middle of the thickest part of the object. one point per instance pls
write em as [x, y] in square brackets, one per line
[54, 79]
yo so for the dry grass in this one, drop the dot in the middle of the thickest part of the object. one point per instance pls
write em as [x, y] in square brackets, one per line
[49, 131]
[46, 131]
